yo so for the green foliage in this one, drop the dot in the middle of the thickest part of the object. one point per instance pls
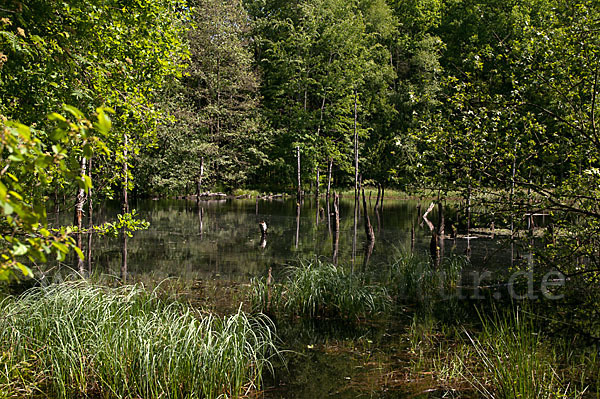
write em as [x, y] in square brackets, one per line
[78, 339]
[128, 223]
[28, 168]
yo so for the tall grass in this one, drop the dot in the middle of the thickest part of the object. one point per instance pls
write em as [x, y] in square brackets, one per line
[416, 278]
[510, 360]
[319, 289]
[79, 339]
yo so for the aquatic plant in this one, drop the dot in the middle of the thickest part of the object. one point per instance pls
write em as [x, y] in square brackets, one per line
[510, 359]
[78, 339]
[316, 289]
[414, 277]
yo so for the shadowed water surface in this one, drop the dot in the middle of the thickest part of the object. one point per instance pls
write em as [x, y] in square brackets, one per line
[222, 239]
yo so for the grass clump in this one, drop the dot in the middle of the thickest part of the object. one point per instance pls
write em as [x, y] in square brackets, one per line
[416, 278]
[511, 359]
[78, 339]
[320, 290]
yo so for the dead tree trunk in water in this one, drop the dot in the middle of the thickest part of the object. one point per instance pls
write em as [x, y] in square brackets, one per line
[356, 193]
[434, 249]
[299, 194]
[369, 231]
[368, 227]
[79, 202]
[297, 224]
[125, 210]
[90, 221]
[441, 231]
[199, 181]
[336, 225]
[329, 177]
[317, 182]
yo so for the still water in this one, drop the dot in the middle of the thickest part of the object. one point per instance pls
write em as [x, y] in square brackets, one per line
[222, 239]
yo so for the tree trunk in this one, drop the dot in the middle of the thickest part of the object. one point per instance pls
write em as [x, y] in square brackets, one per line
[336, 239]
[297, 224]
[79, 202]
[299, 194]
[329, 177]
[368, 227]
[355, 150]
[199, 181]
[125, 210]
[441, 230]
[90, 222]
[317, 183]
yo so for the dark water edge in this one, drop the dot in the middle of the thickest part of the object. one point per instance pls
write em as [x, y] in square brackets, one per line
[219, 242]
[221, 238]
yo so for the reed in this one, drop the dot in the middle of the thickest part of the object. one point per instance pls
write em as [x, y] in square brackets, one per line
[415, 278]
[319, 289]
[78, 339]
[510, 359]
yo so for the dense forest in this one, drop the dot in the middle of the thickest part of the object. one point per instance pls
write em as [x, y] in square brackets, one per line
[495, 101]
[486, 109]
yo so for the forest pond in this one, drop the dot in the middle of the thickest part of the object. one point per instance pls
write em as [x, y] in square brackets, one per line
[221, 238]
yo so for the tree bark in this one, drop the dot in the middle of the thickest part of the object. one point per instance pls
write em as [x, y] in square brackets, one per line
[441, 231]
[299, 194]
[90, 221]
[199, 181]
[297, 223]
[336, 239]
[79, 202]
[317, 183]
[125, 210]
[355, 150]
[330, 166]
[368, 227]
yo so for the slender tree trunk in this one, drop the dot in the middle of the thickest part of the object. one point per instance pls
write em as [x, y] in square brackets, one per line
[328, 216]
[317, 182]
[299, 194]
[297, 224]
[355, 150]
[90, 221]
[354, 231]
[199, 181]
[367, 220]
[512, 193]
[125, 210]
[330, 166]
[79, 202]
[441, 230]
[336, 239]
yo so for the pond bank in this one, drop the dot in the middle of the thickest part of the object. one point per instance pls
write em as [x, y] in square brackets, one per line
[393, 333]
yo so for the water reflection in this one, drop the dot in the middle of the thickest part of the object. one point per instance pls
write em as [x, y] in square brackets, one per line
[220, 238]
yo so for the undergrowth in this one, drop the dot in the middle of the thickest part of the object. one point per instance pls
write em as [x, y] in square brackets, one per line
[78, 339]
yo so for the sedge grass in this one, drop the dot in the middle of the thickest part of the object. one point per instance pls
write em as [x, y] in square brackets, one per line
[319, 289]
[512, 359]
[416, 278]
[79, 339]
